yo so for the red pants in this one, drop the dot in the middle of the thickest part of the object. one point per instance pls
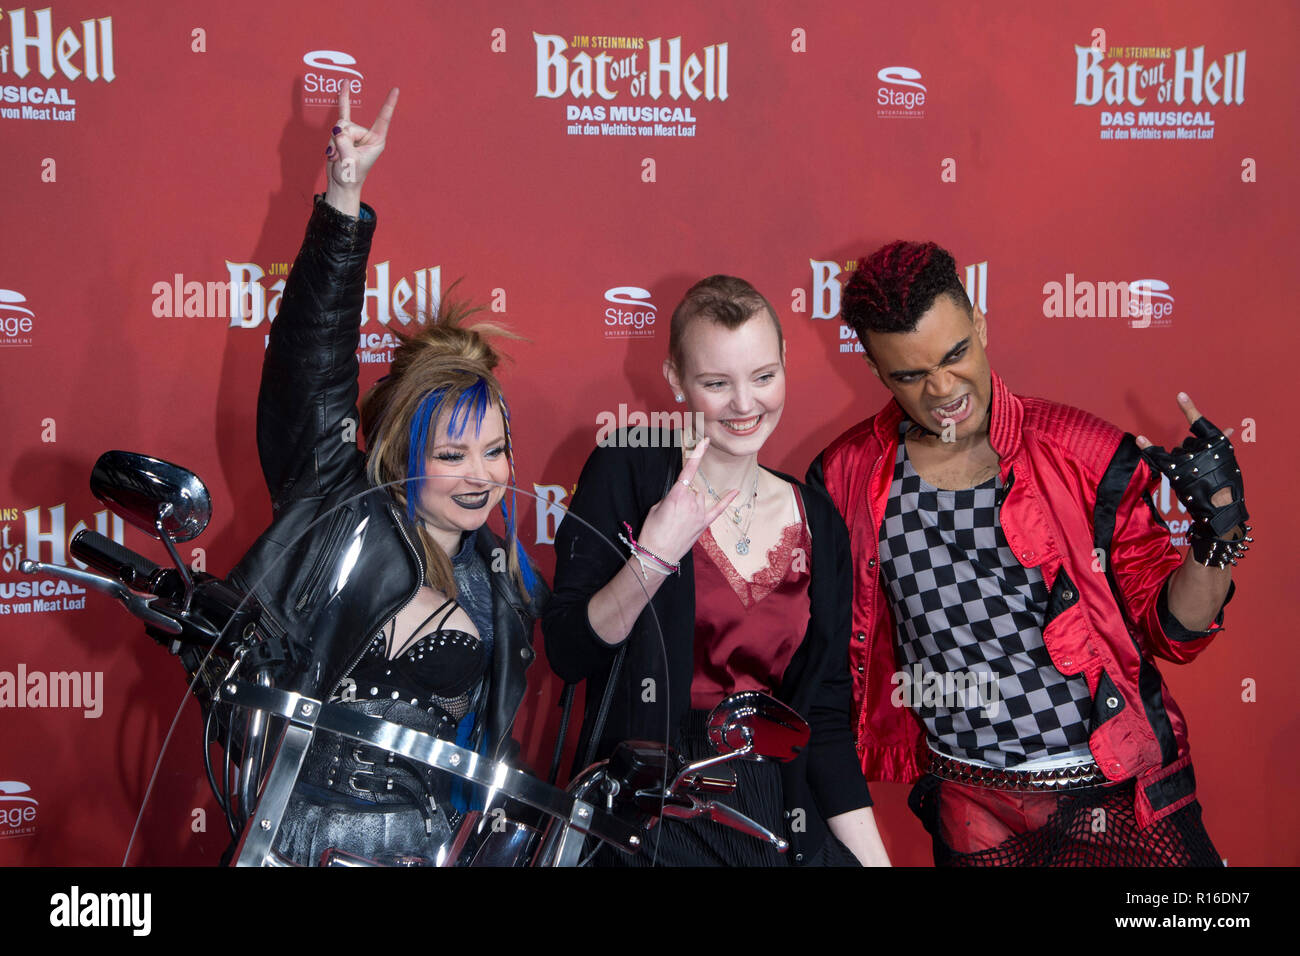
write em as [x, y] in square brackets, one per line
[975, 818]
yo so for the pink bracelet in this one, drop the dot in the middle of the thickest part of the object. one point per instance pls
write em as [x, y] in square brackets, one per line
[657, 564]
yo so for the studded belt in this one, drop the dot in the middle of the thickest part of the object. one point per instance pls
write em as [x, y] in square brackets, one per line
[1024, 781]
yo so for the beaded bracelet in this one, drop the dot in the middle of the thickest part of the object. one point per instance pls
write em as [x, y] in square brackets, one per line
[647, 558]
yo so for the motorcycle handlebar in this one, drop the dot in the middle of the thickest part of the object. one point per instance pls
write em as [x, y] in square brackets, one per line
[137, 603]
[106, 555]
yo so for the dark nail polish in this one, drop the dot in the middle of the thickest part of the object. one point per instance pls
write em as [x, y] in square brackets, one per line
[337, 130]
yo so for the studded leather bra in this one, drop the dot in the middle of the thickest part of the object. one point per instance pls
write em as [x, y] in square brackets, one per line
[440, 669]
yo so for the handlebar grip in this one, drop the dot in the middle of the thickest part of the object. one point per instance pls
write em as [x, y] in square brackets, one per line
[106, 555]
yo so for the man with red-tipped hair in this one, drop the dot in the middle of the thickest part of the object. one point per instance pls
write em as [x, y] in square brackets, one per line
[1013, 585]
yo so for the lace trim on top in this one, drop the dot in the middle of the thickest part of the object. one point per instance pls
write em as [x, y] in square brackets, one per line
[779, 557]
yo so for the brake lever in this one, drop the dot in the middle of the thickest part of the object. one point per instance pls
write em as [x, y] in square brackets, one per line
[688, 807]
[733, 818]
[137, 603]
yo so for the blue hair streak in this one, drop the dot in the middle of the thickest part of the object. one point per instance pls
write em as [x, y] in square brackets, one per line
[525, 568]
[508, 513]
[474, 399]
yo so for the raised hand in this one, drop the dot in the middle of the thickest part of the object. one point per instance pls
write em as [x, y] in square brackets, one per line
[1206, 432]
[1189, 410]
[1204, 474]
[352, 151]
[675, 523]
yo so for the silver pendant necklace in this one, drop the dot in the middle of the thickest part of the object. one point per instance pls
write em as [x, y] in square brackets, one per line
[742, 546]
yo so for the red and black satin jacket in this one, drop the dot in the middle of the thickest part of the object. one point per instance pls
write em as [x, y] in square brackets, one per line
[1078, 506]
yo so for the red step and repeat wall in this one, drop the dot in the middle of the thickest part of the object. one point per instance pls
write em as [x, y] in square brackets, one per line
[1117, 183]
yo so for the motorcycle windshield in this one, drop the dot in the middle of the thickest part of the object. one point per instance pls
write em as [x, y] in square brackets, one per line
[351, 715]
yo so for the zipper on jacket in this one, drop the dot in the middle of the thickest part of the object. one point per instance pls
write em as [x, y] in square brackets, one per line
[1001, 497]
[312, 586]
[419, 563]
[499, 590]
[871, 631]
[506, 731]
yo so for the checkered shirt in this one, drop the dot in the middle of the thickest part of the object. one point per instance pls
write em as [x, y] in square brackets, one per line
[971, 616]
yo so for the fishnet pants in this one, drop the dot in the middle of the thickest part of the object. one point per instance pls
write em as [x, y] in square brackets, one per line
[1092, 827]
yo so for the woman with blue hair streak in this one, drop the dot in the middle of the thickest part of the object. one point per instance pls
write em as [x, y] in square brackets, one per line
[380, 583]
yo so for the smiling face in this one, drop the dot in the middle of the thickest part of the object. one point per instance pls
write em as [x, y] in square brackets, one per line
[939, 372]
[734, 379]
[455, 495]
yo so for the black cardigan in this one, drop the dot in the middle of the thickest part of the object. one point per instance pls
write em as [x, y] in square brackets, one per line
[620, 484]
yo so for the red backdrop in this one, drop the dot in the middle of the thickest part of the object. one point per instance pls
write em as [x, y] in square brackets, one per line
[144, 150]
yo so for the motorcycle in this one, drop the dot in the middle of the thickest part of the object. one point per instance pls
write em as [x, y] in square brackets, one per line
[264, 732]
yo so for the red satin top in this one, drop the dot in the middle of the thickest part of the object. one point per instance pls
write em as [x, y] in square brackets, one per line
[746, 631]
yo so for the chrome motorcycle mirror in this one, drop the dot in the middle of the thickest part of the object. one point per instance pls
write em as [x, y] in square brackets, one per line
[748, 725]
[757, 727]
[151, 493]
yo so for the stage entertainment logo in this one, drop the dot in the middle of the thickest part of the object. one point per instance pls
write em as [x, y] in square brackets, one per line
[664, 87]
[827, 287]
[17, 810]
[629, 314]
[1157, 93]
[329, 72]
[1150, 304]
[42, 534]
[34, 58]
[17, 324]
[249, 298]
[901, 94]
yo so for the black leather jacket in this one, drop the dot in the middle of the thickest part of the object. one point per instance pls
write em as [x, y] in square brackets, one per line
[340, 559]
